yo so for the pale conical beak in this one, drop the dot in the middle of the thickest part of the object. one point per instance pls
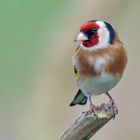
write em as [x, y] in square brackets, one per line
[81, 37]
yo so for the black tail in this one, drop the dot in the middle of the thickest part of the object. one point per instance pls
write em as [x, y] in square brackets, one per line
[80, 99]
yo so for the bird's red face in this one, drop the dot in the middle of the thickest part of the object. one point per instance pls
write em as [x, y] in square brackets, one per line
[96, 34]
[90, 29]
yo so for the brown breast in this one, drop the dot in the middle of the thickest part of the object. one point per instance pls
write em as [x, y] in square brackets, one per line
[115, 65]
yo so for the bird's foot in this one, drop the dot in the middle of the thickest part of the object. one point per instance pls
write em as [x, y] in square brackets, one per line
[94, 110]
[111, 106]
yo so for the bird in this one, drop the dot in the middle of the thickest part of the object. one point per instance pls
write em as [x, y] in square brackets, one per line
[99, 62]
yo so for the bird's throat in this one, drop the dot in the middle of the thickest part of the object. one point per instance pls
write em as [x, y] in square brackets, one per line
[92, 42]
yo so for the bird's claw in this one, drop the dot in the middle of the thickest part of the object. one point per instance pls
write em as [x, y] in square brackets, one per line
[111, 106]
[94, 110]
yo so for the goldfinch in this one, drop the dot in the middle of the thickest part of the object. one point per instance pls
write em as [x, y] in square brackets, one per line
[99, 62]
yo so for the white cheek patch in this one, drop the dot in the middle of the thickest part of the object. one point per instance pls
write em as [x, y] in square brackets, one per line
[103, 37]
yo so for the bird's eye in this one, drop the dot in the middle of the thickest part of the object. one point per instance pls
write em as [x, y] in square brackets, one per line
[94, 30]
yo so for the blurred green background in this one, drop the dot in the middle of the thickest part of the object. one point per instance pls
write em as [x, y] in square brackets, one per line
[37, 84]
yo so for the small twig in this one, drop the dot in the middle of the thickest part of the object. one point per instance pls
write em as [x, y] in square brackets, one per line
[87, 124]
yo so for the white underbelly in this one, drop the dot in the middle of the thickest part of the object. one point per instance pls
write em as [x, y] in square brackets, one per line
[98, 85]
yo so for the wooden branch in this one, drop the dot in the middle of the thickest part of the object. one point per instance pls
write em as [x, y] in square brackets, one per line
[87, 124]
